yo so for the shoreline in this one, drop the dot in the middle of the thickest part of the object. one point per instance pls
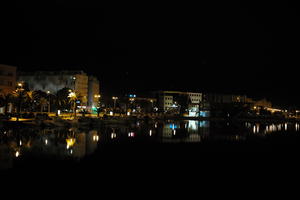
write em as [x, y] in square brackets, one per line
[87, 121]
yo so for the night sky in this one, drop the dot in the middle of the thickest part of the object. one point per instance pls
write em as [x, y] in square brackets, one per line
[237, 47]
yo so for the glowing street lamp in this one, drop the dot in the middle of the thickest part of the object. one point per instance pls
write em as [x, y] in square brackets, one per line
[49, 108]
[115, 100]
[98, 96]
[152, 103]
[20, 86]
[72, 94]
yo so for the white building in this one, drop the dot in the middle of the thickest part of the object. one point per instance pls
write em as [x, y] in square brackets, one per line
[175, 99]
[166, 102]
[54, 81]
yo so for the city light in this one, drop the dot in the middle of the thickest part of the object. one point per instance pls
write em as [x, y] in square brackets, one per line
[72, 94]
[70, 142]
[113, 135]
[131, 134]
[95, 138]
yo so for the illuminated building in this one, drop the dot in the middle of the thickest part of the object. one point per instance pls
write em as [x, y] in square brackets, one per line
[54, 81]
[7, 78]
[7, 82]
[189, 102]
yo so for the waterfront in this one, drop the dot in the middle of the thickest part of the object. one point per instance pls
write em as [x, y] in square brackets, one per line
[169, 139]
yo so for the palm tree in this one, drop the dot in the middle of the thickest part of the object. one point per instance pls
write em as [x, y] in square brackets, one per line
[19, 96]
[43, 102]
[32, 97]
[73, 98]
[62, 99]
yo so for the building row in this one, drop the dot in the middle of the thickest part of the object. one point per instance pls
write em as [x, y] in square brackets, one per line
[193, 104]
[86, 86]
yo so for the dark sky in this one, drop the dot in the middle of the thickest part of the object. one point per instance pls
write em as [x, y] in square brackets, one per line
[245, 47]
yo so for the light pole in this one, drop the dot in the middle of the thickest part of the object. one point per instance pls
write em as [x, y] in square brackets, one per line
[74, 81]
[49, 103]
[98, 96]
[152, 105]
[115, 100]
[19, 93]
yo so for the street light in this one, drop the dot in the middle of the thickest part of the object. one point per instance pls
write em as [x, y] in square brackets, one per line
[20, 86]
[151, 104]
[74, 81]
[115, 99]
[98, 96]
[72, 94]
[49, 103]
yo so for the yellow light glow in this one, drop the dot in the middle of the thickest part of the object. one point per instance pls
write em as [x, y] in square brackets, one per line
[113, 135]
[70, 142]
[72, 94]
[95, 138]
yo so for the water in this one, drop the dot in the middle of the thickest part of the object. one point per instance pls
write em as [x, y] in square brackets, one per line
[21, 147]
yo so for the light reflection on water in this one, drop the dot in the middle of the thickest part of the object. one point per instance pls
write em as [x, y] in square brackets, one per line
[76, 143]
[270, 128]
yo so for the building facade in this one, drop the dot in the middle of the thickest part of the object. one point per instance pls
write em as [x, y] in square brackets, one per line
[54, 81]
[177, 101]
[166, 102]
[7, 79]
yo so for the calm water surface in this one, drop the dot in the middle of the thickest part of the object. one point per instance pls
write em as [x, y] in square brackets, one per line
[160, 139]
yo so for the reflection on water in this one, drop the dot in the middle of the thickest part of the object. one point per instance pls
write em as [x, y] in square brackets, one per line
[270, 128]
[76, 144]
[58, 143]
[185, 131]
